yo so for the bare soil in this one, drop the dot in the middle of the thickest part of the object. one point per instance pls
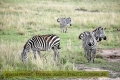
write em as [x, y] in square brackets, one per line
[111, 54]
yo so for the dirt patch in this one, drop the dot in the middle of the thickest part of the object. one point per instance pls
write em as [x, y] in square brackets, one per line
[86, 68]
[107, 53]
[85, 10]
[111, 54]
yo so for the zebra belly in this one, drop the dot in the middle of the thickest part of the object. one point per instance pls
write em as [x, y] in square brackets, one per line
[40, 49]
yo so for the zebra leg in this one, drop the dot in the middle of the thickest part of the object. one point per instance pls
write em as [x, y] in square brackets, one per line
[24, 55]
[88, 56]
[34, 52]
[56, 54]
[88, 59]
[85, 55]
[61, 29]
[66, 29]
[38, 51]
[94, 54]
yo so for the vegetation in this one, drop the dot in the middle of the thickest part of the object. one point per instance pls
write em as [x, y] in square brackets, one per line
[21, 19]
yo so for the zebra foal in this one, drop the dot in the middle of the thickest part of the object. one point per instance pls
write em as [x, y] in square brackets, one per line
[41, 43]
[89, 44]
[64, 22]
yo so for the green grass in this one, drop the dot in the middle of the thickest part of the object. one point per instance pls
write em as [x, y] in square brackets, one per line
[22, 19]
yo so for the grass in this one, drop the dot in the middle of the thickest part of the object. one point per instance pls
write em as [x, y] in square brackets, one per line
[21, 19]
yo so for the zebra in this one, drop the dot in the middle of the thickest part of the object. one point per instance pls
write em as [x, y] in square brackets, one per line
[99, 34]
[89, 44]
[64, 22]
[41, 43]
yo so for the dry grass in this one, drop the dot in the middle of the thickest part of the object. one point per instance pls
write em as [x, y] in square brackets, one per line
[11, 59]
[22, 14]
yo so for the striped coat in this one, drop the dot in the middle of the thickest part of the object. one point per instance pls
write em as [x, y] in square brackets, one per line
[41, 43]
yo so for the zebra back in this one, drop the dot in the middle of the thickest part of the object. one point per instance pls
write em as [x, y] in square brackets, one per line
[42, 42]
[64, 21]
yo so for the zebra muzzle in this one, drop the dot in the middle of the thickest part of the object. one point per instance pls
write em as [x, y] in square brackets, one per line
[105, 38]
[89, 44]
[100, 39]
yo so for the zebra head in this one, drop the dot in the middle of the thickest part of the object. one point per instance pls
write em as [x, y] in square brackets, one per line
[99, 34]
[83, 35]
[87, 37]
[24, 55]
[69, 21]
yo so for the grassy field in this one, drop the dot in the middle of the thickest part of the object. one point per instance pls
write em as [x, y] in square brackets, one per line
[21, 19]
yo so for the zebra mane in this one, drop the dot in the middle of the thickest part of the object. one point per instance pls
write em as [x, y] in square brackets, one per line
[96, 29]
[26, 44]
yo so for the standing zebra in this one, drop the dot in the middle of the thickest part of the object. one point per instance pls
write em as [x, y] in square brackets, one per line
[89, 44]
[41, 43]
[64, 22]
[99, 34]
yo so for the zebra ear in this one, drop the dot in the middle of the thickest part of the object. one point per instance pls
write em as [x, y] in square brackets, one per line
[58, 20]
[98, 28]
[79, 36]
[104, 28]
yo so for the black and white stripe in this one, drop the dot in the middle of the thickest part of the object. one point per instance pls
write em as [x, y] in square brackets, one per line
[99, 34]
[89, 44]
[64, 22]
[41, 43]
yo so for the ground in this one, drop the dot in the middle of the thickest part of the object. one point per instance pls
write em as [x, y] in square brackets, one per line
[111, 55]
[22, 19]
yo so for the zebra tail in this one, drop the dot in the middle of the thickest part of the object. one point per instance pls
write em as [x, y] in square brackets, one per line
[59, 47]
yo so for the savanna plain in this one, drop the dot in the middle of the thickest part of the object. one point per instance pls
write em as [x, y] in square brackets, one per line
[22, 19]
